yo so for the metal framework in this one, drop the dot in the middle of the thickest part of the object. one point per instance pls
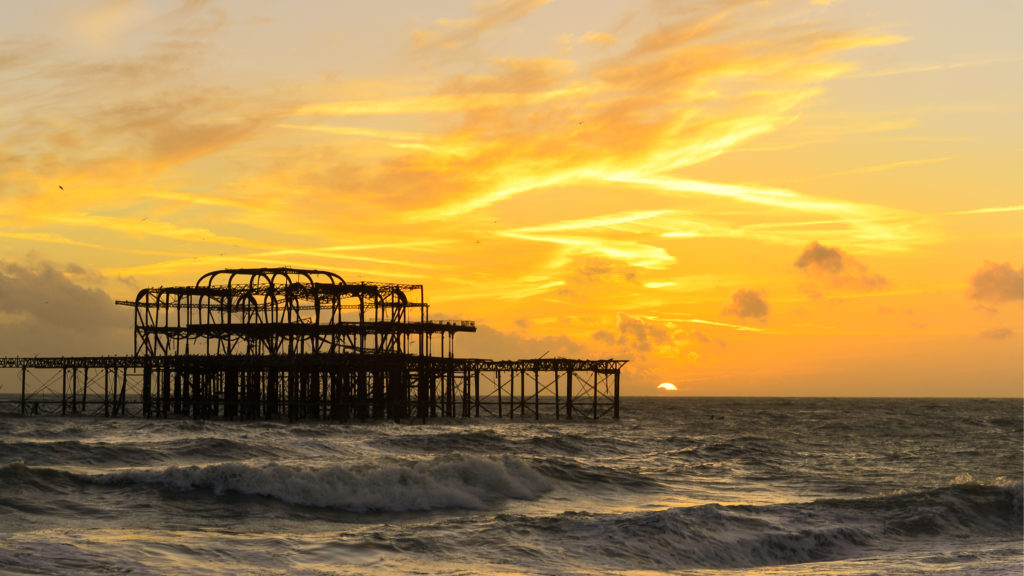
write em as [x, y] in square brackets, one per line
[280, 343]
[272, 311]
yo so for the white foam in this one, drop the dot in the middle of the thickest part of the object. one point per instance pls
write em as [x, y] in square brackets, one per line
[452, 481]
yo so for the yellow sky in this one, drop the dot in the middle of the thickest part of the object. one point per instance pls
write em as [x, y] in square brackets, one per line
[763, 198]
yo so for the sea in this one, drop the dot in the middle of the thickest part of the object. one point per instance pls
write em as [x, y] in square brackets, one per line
[704, 486]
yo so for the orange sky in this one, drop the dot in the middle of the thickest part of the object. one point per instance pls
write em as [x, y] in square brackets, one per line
[765, 198]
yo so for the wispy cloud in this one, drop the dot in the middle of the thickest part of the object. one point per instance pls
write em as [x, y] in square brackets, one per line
[882, 167]
[452, 35]
[929, 68]
[984, 210]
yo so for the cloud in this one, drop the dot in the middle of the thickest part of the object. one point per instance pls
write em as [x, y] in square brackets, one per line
[49, 296]
[455, 35]
[997, 334]
[17, 52]
[523, 323]
[985, 309]
[501, 128]
[43, 311]
[598, 38]
[837, 268]
[640, 333]
[997, 283]
[513, 75]
[153, 130]
[597, 270]
[699, 336]
[604, 336]
[685, 92]
[494, 344]
[588, 237]
[111, 125]
[747, 303]
[818, 257]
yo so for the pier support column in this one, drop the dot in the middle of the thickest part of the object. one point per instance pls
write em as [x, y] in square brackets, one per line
[433, 390]
[522, 393]
[378, 394]
[187, 391]
[511, 393]
[616, 399]
[124, 391]
[230, 394]
[558, 406]
[568, 393]
[177, 392]
[106, 391]
[361, 396]
[147, 392]
[272, 393]
[536, 395]
[422, 393]
[294, 395]
[85, 386]
[165, 396]
[113, 395]
[477, 391]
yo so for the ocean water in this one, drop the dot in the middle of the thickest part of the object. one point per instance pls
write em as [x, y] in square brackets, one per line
[679, 485]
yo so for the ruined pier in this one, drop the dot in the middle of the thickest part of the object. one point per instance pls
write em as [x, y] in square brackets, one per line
[287, 344]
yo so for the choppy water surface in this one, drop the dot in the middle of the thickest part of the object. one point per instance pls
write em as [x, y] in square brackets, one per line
[705, 486]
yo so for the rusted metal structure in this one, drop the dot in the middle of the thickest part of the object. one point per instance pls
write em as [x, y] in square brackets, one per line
[281, 343]
[275, 311]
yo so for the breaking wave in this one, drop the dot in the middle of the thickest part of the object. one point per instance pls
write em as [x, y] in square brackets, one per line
[716, 536]
[451, 481]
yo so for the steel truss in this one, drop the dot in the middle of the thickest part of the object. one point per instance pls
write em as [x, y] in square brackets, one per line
[267, 311]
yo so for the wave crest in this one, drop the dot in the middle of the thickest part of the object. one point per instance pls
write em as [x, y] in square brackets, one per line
[747, 536]
[452, 481]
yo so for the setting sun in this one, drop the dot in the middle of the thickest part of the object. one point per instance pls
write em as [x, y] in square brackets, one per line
[667, 386]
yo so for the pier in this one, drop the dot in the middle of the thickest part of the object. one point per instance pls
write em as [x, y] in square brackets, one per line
[287, 344]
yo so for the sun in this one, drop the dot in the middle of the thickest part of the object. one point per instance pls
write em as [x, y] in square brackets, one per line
[667, 386]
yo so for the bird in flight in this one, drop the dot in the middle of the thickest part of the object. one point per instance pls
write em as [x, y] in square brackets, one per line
[59, 186]
[477, 241]
[144, 219]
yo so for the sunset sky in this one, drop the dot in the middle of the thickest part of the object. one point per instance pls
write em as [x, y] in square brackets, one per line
[741, 198]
